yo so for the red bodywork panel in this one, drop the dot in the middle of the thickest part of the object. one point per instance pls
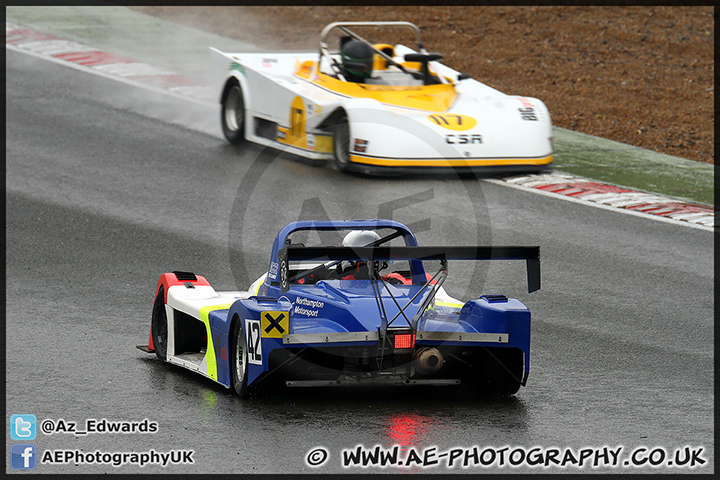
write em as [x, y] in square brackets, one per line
[168, 280]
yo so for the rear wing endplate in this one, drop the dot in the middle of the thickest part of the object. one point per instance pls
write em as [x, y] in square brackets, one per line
[299, 253]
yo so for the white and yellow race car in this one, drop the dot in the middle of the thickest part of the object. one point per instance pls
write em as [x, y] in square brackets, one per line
[379, 107]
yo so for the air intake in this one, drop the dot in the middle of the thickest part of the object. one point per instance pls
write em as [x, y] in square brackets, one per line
[183, 276]
[495, 298]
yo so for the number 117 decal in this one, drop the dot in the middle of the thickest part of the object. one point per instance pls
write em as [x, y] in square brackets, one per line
[252, 340]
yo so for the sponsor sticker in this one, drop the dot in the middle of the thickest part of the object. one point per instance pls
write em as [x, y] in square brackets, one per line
[307, 307]
[360, 145]
[272, 273]
[453, 121]
[274, 324]
[252, 341]
[237, 67]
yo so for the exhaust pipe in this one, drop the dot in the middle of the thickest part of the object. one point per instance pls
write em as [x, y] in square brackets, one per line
[428, 360]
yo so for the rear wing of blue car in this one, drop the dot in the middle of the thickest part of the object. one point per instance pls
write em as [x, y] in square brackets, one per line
[335, 254]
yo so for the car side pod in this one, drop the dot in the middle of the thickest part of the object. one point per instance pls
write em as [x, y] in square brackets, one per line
[177, 277]
[508, 317]
[496, 313]
[263, 322]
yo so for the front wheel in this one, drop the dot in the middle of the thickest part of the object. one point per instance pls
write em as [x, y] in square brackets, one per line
[159, 325]
[232, 114]
[341, 144]
[239, 361]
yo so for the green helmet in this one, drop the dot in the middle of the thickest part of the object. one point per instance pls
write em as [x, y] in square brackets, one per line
[357, 58]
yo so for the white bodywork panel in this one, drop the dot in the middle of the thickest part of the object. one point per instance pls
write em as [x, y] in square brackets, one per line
[191, 301]
[390, 131]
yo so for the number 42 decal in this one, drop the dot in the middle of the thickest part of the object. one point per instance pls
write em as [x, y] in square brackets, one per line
[252, 340]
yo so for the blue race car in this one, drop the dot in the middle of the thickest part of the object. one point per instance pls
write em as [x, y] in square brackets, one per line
[364, 311]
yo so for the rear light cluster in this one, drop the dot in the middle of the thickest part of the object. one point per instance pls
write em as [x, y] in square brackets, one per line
[404, 340]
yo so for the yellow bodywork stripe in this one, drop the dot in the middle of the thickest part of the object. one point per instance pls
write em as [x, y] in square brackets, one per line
[323, 143]
[449, 304]
[480, 162]
[433, 98]
[210, 350]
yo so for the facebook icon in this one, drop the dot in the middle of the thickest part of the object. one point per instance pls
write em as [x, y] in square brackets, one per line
[22, 457]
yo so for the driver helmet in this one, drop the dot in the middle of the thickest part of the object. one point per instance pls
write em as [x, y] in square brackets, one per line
[357, 238]
[357, 58]
[360, 238]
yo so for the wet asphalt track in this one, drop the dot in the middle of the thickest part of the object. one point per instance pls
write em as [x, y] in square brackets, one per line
[108, 186]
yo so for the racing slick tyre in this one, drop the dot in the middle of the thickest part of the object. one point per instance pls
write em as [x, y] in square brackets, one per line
[504, 371]
[341, 144]
[239, 364]
[159, 326]
[232, 113]
[495, 372]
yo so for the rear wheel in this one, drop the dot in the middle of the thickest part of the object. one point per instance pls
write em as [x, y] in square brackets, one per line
[494, 371]
[504, 371]
[232, 113]
[341, 144]
[159, 325]
[239, 361]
